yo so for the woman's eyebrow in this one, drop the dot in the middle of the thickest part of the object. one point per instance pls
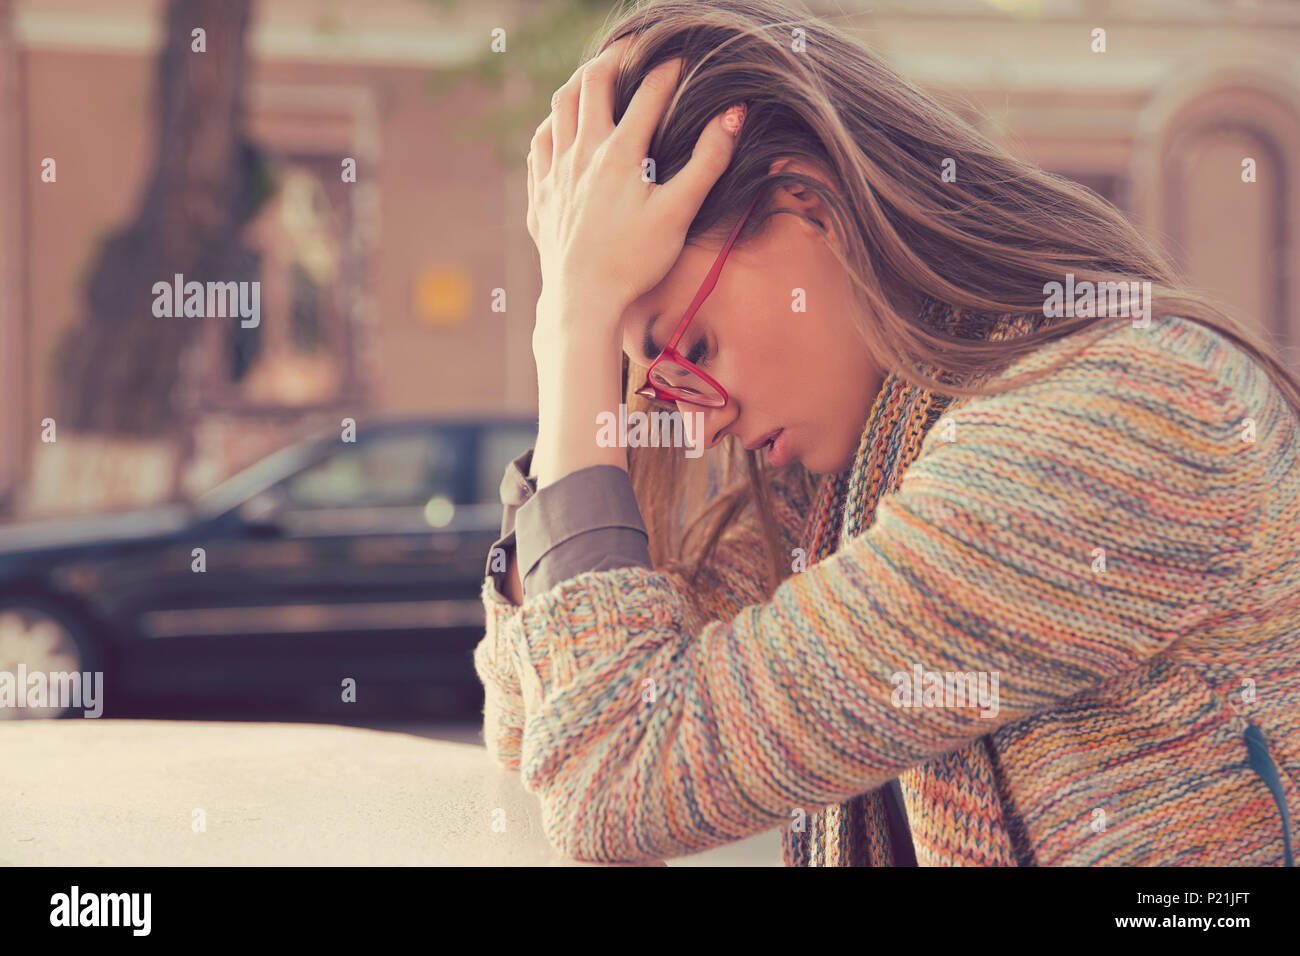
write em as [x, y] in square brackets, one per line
[648, 342]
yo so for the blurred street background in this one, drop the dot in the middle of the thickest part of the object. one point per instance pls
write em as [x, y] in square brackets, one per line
[378, 293]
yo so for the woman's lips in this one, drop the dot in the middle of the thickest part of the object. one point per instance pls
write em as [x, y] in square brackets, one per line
[780, 454]
[755, 446]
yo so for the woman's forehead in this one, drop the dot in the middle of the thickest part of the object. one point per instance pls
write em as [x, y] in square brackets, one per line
[654, 317]
[678, 287]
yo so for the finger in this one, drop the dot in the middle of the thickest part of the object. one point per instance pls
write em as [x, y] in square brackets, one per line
[596, 99]
[637, 127]
[541, 150]
[564, 113]
[685, 192]
[528, 214]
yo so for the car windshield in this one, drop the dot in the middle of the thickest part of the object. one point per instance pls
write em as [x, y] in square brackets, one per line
[257, 477]
[400, 469]
[403, 467]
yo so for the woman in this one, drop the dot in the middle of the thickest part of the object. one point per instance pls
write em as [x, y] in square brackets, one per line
[1042, 607]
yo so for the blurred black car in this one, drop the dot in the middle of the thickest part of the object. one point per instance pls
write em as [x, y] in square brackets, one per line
[325, 561]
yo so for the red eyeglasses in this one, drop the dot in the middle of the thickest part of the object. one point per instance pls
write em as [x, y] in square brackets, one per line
[671, 378]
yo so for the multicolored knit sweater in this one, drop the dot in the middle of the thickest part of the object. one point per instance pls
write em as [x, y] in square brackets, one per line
[1071, 631]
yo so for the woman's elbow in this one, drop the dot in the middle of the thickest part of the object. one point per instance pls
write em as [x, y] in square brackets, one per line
[592, 828]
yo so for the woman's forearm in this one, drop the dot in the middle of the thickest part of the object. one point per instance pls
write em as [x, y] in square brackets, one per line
[514, 588]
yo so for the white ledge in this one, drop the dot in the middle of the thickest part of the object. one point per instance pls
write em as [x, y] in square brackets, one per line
[85, 792]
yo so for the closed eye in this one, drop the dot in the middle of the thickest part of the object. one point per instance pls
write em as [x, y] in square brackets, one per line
[698, 352]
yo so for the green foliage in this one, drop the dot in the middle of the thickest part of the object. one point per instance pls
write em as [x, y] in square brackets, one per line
[541, 54]
[263, 184]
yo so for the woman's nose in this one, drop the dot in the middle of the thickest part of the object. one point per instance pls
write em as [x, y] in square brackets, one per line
[710, 423]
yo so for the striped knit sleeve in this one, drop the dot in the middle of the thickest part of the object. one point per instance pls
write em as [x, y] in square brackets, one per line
[1071, 529]
[733, 578]
[730, 583]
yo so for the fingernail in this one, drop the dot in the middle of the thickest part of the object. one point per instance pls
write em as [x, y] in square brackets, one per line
[733, 119]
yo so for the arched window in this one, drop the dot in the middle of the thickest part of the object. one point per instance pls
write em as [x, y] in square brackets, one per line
[1216, 177]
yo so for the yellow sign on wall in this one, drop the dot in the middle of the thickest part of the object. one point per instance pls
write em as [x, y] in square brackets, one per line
[442, 296]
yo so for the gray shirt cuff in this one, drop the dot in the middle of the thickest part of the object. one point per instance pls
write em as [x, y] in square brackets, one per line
[587, 521]
[516, 488]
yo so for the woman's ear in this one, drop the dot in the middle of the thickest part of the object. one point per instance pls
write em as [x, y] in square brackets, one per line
[799, 198]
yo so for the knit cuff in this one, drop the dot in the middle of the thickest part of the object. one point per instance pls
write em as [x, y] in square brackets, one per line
[503, 708]
[557, 635]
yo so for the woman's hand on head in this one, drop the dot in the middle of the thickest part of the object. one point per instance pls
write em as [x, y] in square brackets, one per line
[605, 231]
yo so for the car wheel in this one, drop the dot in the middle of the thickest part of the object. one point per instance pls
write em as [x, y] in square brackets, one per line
[43, 639]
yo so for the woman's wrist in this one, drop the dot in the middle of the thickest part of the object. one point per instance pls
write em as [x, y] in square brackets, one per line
[578, 356]
[570, 313]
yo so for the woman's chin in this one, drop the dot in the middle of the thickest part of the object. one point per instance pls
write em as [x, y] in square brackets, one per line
[813, 464]
[824, 463]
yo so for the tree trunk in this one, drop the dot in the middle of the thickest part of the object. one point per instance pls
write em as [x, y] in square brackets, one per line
[120, 367]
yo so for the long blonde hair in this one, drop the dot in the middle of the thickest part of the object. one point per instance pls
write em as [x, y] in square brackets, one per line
[985, 243]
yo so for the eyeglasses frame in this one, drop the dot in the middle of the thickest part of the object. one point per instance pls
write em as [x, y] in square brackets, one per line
[652, 391]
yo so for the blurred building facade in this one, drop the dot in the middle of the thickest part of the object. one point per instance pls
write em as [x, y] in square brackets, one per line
[378, 295]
